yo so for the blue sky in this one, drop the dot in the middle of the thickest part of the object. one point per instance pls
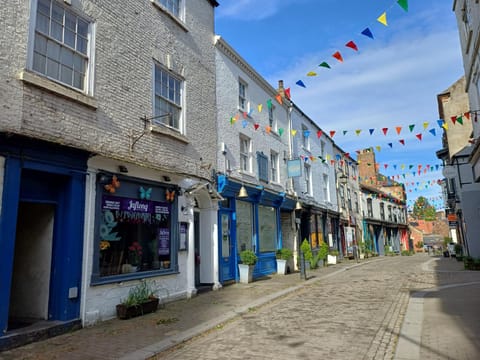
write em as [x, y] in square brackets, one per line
[391, 81]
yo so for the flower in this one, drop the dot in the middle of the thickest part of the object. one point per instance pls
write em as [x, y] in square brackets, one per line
[135, 251]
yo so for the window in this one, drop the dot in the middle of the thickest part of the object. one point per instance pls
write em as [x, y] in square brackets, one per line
[271, 118]
[349, 199]
[262, 161]
[267, 232]
[274, 167]
[245, 163]
[242, 96]
[322, 149]
[172, 6]
[467, 23]
[395, 216]
[308, 179]
[357, 209]
[244, 213]
[61, 45]
[326, 190]
[389, 208]
[168, 99]
[305, 138]
[382, 211]
[369, 208]
[342, 196]
[134, 234]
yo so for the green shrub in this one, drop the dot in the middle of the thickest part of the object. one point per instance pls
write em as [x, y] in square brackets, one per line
[306, 250]
[284, 254]
[248, 257]
[140, 293]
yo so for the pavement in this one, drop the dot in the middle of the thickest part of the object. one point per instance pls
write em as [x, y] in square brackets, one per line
[447, 295]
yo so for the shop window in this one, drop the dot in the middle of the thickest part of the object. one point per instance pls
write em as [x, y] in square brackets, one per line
[135, 228]
[267, 223]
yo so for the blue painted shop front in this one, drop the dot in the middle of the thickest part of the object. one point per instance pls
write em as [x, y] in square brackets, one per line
[243, 224]
[41, 232]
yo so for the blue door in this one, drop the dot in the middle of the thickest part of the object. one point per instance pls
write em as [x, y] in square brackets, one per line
[227, 256]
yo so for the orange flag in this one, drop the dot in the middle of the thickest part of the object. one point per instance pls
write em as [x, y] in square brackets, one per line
[279, 98]
[399, 129]
[338, 56]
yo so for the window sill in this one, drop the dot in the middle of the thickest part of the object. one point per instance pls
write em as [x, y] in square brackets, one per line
[163, 130]
[112, 279]
[170, 15]
[46, 84]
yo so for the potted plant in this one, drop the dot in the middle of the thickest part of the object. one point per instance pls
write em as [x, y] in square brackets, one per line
[332, 256]
[283, 255]
[307, 253]
[248, 260]
[319, 258]
[141, 300]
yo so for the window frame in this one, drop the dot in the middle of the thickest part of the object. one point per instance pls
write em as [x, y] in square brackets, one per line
[274, 167]
[242, 95]
[326, 187]
[370, 207]
[89, 56]
[179, 107]
[180, 15]
[245, 154]
[271, 118]
[382, 210]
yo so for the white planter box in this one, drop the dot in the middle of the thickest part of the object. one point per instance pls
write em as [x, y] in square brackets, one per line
[246, 273]
[281, 267]
[331, 260]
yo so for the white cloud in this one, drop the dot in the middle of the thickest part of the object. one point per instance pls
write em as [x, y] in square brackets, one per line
[249, 10]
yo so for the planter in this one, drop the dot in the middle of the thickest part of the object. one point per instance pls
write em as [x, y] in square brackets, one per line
[281, 267]
[246, 273]
[331, 259]
[127, 312]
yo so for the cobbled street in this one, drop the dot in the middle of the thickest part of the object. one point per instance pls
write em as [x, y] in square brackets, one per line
[355, 314]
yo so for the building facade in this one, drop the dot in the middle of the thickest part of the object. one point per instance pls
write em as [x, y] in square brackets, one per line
[102, 165]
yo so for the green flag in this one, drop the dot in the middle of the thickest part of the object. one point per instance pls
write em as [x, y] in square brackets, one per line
[403, 4]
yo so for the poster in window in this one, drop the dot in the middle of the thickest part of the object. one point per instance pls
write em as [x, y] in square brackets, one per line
[183, 236]
[163, 241]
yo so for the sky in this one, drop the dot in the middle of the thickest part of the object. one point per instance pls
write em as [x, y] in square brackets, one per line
[391, 81]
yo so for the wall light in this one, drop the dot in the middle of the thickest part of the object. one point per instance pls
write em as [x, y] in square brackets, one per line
[242, 193]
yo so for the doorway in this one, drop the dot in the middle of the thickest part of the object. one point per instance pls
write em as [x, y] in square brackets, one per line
[32, 265]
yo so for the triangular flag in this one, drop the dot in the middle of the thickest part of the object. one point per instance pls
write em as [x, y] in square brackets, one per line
[332, 133]
[256, 126]
[287, 93]
[382, 19]
[311, 73]
[232, 120]
[410, 166]
[445, 126]
[260, 107]
[279, 99]
[245, 115]
[319, 133]
[300, 83]
[432, 131]
[402, 141]
[411, 127]
[419, 136]
[367, 33]
[371, 131]
[325, 65]
[403, 4]
[440, 122]
[344, 132]
[454, 119]
[280, 131]
[385, 131]
[467, 115]
[338, 56]
[293, 132]
[358, 131]
[378, 148]
[460, 120]
[268, 129]
[244, 123]
[306, 133]
[390, 144]
[352, 45]
[425, 125]
[385, 166]
[399, 129]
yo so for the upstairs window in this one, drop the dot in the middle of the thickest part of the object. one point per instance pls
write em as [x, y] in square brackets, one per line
[242, 96]
[262, 161]
[305, 138]
[172, 6]
[274, 167]
[61, 45]
[271, 118]
[168, 99]
[245, 163]
[326, 190]
[308, 179]
[369, 208]
[382, 211]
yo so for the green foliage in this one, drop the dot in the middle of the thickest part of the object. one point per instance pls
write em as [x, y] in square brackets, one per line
[422, 210]
[306, 250]
[248, 257]
[334, 252]
[407, 253]
[458, 250]
[284, 254]
[323, 252]
[419, 244]
[140, 293]
[446, 240]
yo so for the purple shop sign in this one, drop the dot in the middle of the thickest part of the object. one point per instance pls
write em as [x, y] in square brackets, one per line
[134, 205]
[163, 241]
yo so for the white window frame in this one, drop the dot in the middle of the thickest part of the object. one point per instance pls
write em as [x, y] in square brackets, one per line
[308, 179]
[175, 108]
[169, 7]
[245, 154]
[274, 174]
[271, 118]
[305, 139]
[88, 80]
[242, 95]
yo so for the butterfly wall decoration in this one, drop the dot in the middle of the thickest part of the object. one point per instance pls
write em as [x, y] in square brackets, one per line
[115, 184]
[145, 193]
[170, 195]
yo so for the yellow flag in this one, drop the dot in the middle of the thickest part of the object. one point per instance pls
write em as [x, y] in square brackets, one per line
[328, 157]
[358, 131]
[445, 126]
[425, 125]
[382, 19]
[294, 132]
[311, 73]
[378, 148]
[260, 107]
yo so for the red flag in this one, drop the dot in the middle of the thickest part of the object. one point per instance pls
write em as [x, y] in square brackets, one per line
[467, 115]
[385, 165]
[352, 45]
[319, 133]
[287, 93]
[245, 115]
[402, 141]
[338, 56]
[454, 119]
[385, 131]
[332, 133]
[256, 126]
[419, 136]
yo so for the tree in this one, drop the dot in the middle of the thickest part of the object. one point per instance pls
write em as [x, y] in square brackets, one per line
[422, 210]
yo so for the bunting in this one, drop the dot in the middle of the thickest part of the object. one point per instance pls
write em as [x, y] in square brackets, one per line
[382, 19]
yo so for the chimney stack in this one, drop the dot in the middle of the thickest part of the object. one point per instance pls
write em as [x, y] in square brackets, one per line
[281, 89]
